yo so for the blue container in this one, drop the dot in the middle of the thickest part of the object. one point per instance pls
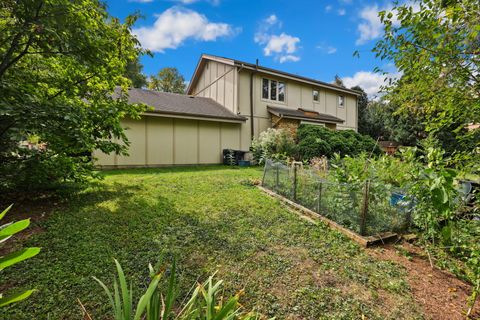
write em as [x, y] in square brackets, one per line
[243, 163]
[396, 198]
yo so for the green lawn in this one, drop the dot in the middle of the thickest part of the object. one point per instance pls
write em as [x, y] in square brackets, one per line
[209, 219]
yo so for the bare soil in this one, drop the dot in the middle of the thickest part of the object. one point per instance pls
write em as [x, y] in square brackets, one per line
[441, 295]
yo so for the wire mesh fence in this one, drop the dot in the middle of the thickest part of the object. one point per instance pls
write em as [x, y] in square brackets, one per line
[368, 208]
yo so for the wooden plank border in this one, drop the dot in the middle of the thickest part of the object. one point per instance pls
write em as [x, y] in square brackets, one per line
[309, 214]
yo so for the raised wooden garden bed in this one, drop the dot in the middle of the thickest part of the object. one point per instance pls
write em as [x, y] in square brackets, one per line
[365, 241]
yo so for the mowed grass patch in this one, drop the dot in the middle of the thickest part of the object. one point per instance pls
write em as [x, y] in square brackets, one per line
[210, 221]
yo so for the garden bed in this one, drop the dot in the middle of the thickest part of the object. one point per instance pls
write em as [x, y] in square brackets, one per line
[365, 241]
[368, 208]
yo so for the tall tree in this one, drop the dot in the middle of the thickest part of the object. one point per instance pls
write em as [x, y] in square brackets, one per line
[60, 62]
[436, 46]
[363, 125]
[134, 72]
[381, 120]
[167, 80]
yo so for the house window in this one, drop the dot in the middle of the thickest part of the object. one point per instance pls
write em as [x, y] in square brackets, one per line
[273, 90]
[281, 91]
[315, 95]
[265, 86]
[341, 101]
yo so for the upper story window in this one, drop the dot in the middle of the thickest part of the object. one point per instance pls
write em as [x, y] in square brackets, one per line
[341, 101]
[273, 90]
[315, 95]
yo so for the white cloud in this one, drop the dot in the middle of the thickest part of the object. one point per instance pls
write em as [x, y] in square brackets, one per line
[282, 43]
[341, 12]
[328, 8]
[369, 81]
[327, 49]
[371, 27]
[175, 25]
[272, 20]
[288, 57]
[281, 46]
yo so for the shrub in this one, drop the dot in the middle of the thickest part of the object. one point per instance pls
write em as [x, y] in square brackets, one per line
[316, 141]
[276, 144]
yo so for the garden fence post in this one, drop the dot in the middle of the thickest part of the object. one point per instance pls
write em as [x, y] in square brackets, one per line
[364, 211]
[294, 182]
[319, 199]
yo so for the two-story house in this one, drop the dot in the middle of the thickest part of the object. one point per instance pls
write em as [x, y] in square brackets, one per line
[228, 102]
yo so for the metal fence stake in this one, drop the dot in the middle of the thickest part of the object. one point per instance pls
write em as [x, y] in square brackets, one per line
[294, 182]
[276, 177]
[364, 212]
[319, 199]
[264, 173]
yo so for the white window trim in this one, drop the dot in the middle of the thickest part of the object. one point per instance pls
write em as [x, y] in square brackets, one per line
[338, 101]
[318, 96]
[269, 86]
[320, 124]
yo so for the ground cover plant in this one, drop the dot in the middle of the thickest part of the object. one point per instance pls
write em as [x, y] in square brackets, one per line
[210, 219]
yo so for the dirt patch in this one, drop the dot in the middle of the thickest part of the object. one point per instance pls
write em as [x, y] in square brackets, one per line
[441, 295]
[34, 206]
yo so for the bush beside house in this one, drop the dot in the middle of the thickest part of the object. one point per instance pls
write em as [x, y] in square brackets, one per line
[311, 141]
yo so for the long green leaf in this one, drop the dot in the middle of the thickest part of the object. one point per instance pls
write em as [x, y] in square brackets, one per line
[15, 297]
[4, 212]
[170, 293]
[4, 238]
[119, 315]
[15, 257]
[229, 307]
[107, 291]
[142, 303]
[127, 302]
[13, 228]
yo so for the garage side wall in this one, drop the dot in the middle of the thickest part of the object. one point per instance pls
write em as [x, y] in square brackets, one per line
[161, 141]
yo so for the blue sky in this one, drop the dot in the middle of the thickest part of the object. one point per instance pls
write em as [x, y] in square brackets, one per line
[310, 38]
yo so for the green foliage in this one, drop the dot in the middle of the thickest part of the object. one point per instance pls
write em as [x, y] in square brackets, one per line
[435, 47]
[121, 299]
[380, 119]
[206, 218]
[134, 73]
[315, 141]
[167, 80]
[7, 231]
[276, 144]
[205, 303]
[60, 62]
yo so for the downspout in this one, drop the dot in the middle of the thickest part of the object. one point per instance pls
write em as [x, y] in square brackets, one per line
[252, 134]
[252, 127]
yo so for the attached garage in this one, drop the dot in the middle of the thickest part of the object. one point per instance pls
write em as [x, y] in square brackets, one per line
[177, 130]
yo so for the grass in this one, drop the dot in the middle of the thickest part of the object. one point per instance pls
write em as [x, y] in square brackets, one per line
[209, 220]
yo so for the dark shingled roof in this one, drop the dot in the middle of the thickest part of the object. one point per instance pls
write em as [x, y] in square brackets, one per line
[303, 114]
[180, 104]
